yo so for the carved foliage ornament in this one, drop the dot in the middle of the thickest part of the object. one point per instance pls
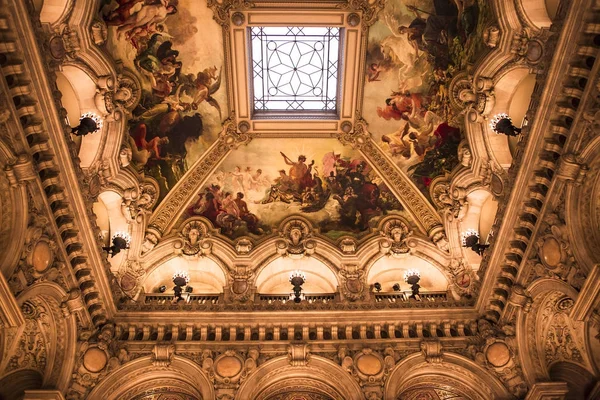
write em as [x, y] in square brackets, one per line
[353, 284]
[240, 282]
[98, 355]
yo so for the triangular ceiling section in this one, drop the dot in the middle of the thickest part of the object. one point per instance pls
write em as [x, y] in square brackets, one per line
[176, 53]
[414, 51]
[259, 185]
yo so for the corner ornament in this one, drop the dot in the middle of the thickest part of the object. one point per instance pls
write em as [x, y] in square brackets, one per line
[368, 8]
[222, 8]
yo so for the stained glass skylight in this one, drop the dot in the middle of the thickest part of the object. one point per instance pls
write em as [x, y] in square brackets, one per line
[295, 68]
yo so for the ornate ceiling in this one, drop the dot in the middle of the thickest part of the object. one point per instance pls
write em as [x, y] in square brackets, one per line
[403, 178]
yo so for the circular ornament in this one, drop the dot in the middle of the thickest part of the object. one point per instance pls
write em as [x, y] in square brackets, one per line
[368, 364]
[551, 253]
[498, 354]
[353, 19]
[94, 359]
[41, 256]
[228, 366]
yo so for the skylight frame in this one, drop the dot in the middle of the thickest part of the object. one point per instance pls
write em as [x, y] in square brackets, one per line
[278, 35]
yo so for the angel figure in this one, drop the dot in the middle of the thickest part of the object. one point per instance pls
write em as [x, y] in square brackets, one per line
[203, 86]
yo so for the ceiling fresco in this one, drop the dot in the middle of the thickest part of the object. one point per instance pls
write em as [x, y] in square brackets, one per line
[260, 185]
[175, 49]
[415, 49]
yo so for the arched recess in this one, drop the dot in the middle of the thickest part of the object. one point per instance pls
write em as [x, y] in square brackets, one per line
[53, 11]
[512, 93]
[552, 346]
[13, 217]
[206, 276]
[321, 376]
[480, 215]
[414, 376]
[42, 351]
[390, 270]
[78, 91]
[141, 377]
[274, 277]
[539, 13]
[113, 204]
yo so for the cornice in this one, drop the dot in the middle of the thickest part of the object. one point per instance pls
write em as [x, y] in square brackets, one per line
[301, 316]
[58, 169]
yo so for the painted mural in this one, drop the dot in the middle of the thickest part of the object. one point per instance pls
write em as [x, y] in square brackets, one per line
[415, 48]
[260, 185]
[166, 43]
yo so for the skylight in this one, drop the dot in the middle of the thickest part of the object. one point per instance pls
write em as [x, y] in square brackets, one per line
[295, 68]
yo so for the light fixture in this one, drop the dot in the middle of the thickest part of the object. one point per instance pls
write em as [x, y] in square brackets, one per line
[297, 279]
[396, 287]
[88, 123]
[412, 277]
[120, 241]
[377, 286]
[189, 289]
[501, 123]
[181, 278]
[470, 239]
[162, 289]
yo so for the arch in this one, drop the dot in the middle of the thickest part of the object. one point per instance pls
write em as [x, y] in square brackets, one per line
[206, 276]
[390, 270]
[320, 375]
[466, 377]
[547, 335]
[14, 385]
[512, 93]
[579, 380]
[273, 277]
[46, 342]
[135, 377]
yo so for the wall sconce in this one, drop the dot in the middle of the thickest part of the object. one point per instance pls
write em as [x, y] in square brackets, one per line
[88, 123]
[180, 279]
[162, 289]
[297, 279]
[120, 241]
[412, 277]
[470, 239]
[501, 123]
[396, 287]
[377, 287]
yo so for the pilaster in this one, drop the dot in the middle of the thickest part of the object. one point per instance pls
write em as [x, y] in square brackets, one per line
[548, 391]
[43, 395]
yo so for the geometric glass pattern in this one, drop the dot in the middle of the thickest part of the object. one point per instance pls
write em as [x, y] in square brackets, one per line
[295, 68]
